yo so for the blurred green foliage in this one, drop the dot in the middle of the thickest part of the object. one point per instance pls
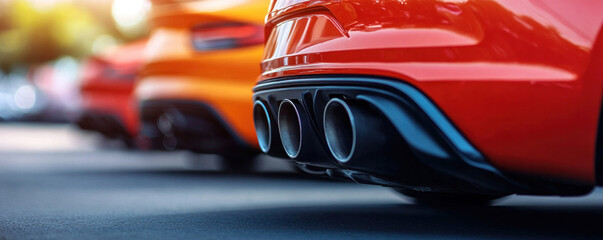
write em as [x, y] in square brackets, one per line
[31, 36]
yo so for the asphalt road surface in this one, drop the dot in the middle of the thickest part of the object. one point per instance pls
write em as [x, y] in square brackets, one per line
[59, 183]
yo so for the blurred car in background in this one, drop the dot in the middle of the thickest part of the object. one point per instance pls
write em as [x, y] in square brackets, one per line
[201, 62]
[107, 84]
[442, 100]
[19, 97]
[46, 92]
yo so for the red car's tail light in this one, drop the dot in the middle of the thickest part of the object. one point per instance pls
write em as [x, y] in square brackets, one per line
[226, 35]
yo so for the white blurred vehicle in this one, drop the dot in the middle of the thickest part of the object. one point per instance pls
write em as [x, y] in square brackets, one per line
[44, 93]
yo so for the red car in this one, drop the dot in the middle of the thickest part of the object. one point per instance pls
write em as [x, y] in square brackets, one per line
[107, 87]
[440, 99]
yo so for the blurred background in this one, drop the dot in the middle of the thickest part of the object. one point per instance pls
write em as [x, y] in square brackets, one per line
[43, 44]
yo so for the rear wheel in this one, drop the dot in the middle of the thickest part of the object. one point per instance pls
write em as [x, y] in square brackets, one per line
[446, 198]
[309, 170]
[239, 163]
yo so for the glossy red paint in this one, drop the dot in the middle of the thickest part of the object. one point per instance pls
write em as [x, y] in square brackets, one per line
[108, 84]
[521, 79]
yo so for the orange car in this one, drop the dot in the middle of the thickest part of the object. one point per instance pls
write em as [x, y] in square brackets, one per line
[201, 63]
[106, 89]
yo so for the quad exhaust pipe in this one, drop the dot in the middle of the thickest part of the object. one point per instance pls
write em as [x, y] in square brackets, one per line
[290, 127]
[298, 137]
[358, 135]
[266, 129]
[281, 136]
[340, 129]
[263, 125]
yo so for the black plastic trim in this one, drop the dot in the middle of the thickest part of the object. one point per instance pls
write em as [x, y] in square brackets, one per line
[450, 153]
[108, 124]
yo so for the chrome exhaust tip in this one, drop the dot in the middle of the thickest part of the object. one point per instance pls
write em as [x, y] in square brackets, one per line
[339, 129]
[290, 128]
[171, 121]
[165, 124]
[262, 122]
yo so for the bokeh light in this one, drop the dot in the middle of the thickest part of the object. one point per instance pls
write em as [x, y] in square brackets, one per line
[130, 15]
[25, 97]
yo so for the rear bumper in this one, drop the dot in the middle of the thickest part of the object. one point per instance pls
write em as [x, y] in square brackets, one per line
[115, 105]
[189, 125]
[435, 154]
[229, 99]
[109, 125]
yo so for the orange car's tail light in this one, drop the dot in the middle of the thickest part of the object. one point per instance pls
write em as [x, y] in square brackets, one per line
[226, 35]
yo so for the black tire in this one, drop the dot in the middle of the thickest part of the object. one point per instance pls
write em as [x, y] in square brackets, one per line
[129, 142]
[309, 170]
[239, 163]
[446, 198]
